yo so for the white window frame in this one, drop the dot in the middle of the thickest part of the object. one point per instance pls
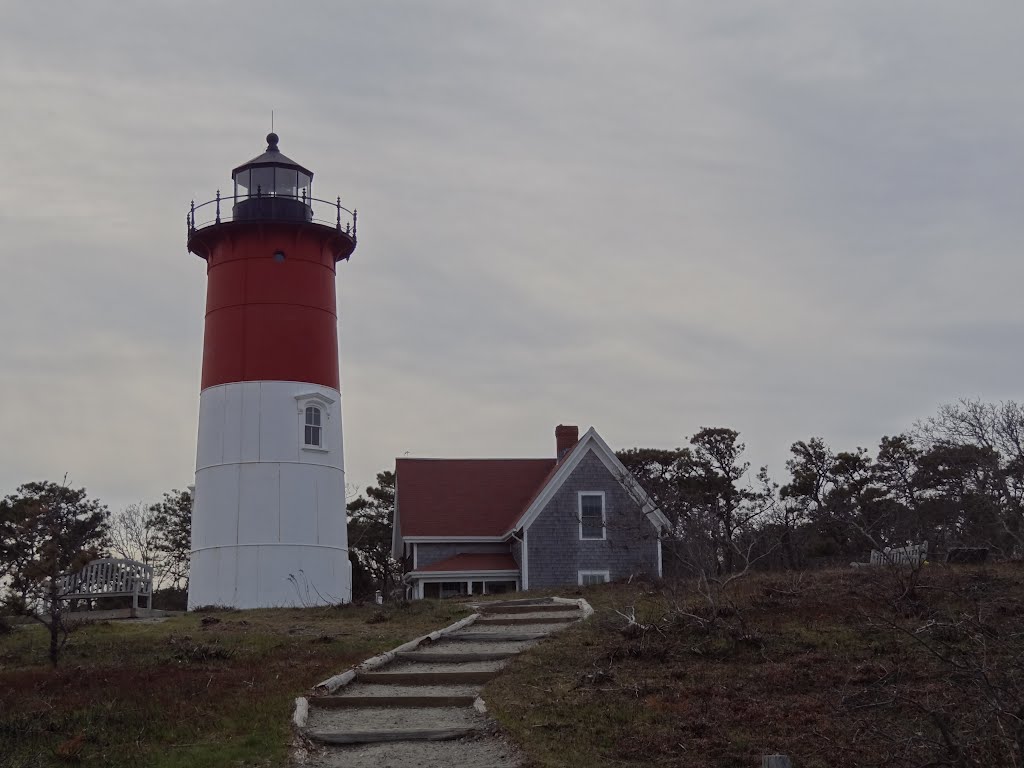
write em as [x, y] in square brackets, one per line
[604, 515]
[324, 403]
[581, 574]
[321, 418]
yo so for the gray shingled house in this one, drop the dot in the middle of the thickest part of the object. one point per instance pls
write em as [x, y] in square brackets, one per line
[485, 526]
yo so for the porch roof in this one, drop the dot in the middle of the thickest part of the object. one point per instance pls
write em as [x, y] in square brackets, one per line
[473, 562]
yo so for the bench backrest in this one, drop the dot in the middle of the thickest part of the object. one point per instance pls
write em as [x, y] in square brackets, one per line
[109, 576]
[912, 554]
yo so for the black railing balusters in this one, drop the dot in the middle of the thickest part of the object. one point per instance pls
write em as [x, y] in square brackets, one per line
[315, 204]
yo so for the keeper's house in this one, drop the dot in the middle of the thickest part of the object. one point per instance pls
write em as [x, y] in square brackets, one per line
[485, 526]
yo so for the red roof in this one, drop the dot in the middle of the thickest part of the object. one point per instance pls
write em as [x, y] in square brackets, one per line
[465, 497]
[469, 561]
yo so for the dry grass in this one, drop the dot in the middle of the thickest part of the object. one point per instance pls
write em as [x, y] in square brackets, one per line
[204, 689]
[838, 669]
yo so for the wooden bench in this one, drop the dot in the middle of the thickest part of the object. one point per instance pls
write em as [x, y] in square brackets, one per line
[110, 577]
[912, 555]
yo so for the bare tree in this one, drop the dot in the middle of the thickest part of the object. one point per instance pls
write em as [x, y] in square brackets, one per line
[131, 534]
[995, 430]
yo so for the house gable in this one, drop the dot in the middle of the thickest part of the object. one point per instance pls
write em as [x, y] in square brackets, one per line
[592, 442]
[557, 548]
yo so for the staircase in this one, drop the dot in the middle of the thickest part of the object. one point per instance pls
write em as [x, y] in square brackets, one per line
[422, 709]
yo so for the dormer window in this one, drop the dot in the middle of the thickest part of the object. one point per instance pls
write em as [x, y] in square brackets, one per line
[314, 427]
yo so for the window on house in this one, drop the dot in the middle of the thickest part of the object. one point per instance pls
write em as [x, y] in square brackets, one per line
[587, 578]
[431, 589]
[500, 587]
[453, 588]
[314, 426]
[592, 516]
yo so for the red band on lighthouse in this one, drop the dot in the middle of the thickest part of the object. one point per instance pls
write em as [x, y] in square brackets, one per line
[270, 308]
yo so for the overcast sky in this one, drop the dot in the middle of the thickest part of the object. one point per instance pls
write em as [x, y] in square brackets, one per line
[788, 218]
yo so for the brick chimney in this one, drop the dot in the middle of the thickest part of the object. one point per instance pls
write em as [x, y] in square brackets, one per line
[565, 439]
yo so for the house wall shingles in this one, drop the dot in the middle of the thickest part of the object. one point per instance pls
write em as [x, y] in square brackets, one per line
[428, 554]
[556, 551]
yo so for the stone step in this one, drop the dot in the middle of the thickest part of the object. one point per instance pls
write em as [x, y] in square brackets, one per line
[427, 678]
[487, 752]
[494, 637]
[407, 701]
[512, 620]
[359, 689]
[384, 724]
[524, 601]
[369, 737]
[441, 657]
[527, 608]
[536, 626]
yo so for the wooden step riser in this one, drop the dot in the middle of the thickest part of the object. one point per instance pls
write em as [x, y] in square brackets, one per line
[425, 678]
[376, 737]
[496, 637]
[435, 657]
[528, 609]
[513, 621]
[353, 702]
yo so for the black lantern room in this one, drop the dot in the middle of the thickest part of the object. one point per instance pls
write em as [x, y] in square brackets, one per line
[272, 186]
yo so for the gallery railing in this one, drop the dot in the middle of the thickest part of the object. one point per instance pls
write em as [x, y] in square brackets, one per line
[274, 207]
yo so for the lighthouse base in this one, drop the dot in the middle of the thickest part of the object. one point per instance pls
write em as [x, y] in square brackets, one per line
[268, 514]
[269, 576]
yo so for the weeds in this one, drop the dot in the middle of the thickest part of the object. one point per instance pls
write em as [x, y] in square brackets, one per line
[835, 668]
[219, 692]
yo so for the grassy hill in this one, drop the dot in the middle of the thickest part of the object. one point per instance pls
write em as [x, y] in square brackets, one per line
[834, 668]
[205, 689]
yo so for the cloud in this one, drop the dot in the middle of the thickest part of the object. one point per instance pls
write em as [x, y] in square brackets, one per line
[787, 218]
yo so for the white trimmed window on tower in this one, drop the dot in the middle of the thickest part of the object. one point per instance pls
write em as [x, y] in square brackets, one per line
[314, 412]
[314, 429]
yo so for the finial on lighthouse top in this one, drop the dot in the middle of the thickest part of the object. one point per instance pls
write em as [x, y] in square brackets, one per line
[272, 139]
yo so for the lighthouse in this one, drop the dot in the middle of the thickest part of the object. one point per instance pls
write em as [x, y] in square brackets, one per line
[268, 513]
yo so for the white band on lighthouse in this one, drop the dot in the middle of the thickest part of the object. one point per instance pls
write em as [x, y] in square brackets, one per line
[269, 523]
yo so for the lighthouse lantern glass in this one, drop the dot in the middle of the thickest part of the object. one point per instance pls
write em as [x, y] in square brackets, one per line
[262, 180]
[286, 182]
[242, 183]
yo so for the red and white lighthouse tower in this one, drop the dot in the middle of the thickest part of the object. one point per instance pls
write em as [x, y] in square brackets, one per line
[268, 517]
